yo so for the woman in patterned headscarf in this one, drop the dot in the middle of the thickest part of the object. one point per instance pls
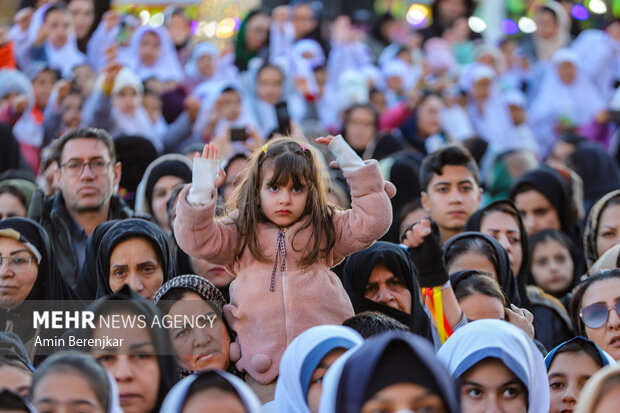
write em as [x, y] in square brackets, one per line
[203, 345]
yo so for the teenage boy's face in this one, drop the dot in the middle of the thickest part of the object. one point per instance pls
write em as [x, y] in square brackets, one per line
[451, 198]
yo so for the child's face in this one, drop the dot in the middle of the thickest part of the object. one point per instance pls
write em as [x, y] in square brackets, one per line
[451, 197]
[552, 266]
[127, 100]
[42, 86]
[518, 114]
[152, 104]
[206, 66]
[231, 105]
[84, 78]
[149, 48]
[72, 115]
[567, 72]
[269, 85]
[7, 99]
[282, 205]
[568, 373]
[59, 23]
[481, 89]
[395, 83]
[377, 98]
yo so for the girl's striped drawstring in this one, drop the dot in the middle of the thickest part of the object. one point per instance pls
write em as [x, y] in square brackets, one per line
[281, 252]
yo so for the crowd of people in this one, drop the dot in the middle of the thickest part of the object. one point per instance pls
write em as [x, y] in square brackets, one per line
[372, 217]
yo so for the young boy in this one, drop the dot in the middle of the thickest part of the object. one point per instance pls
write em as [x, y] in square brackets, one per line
[450, 188]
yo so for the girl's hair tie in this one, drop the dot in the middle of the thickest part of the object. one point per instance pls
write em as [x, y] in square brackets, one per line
[265, 148]
[303, 147]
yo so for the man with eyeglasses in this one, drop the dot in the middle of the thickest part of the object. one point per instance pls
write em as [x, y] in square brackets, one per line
[88, 177]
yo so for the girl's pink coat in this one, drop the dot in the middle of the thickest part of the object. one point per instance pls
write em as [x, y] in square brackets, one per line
[265, 321]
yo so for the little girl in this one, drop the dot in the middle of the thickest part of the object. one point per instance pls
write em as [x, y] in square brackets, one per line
[280, 240]
[552, 265]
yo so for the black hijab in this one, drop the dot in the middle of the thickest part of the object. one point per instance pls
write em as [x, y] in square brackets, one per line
[389, 358]
[127, 300]
[166, 168]
[49, 292]
[475, 222]
[50, 284]
[86, 287]
[14, 402]
[135, 153]
[10, 155]
[122, 231]
[357, 270]
[458, 277]
[500, 260]
[598, 170]
[552, 185]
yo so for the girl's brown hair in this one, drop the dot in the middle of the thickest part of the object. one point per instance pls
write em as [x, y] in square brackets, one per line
[289, 159]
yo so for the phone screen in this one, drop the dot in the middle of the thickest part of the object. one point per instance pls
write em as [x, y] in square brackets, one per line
[238, 134]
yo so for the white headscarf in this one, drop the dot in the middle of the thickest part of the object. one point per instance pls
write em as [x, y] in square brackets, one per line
[301, 66]
[331, 381]
[300, 360]
[222, 71]
[265, 112]
[66, 57]
[167, 65]
[499, 339]
[579, 102]
[599, 55]
[26, 129]
[545, 48]
[142, 206]
[137, 124]
[494, 123]
[209, 95]
[173, 403]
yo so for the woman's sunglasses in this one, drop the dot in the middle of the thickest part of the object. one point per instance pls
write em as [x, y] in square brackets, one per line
[596, 315]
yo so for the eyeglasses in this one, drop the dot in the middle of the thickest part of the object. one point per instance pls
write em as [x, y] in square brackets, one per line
[76, 168]
[17, 263]
[596, 315]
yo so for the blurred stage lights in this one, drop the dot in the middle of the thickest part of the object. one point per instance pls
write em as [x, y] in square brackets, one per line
[509, 26]
[145, 16]
[417, 15]
[226, 28]
[527, 25]
[156, 20]
[476, 24]
[579, 12]
[597, 6]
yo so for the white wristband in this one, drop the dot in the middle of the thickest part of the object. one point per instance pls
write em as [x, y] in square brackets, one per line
[346, 157]
[204, 174]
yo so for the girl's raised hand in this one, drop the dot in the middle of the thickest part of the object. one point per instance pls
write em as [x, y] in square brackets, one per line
[211, 151]
[325, 140]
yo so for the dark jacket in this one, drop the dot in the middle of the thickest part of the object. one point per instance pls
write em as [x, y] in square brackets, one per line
[52, 214]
